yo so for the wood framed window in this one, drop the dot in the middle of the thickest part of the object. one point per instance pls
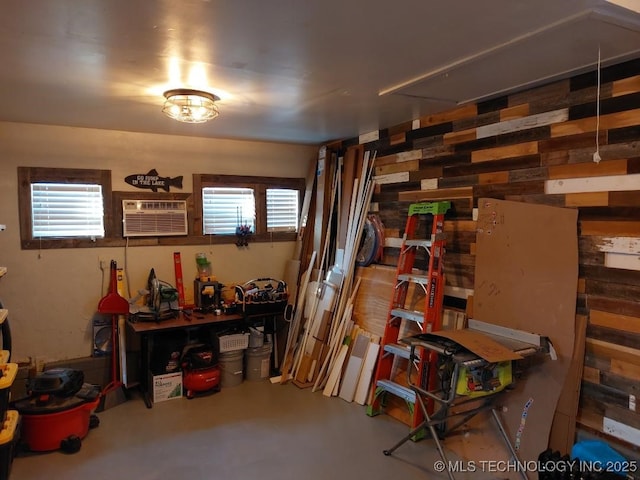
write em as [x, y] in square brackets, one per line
[64, 207]
[268, 207]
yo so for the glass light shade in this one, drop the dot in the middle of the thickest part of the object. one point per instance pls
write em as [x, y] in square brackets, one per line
[190, 106]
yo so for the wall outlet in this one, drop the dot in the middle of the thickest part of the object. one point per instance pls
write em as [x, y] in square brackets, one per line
[2, 227]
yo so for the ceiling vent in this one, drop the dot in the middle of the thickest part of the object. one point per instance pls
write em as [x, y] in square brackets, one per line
[154, 218]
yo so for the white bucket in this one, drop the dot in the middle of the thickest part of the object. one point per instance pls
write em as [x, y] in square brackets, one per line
[258, 362]
[231, 372]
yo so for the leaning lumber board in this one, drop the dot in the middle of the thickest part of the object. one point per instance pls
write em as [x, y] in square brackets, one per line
[336, 371]
[364, 382]
[354, 367]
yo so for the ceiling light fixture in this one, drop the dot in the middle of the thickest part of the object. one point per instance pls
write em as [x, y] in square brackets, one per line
[190, 106]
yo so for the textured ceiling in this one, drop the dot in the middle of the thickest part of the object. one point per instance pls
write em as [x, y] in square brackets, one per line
[290, 71]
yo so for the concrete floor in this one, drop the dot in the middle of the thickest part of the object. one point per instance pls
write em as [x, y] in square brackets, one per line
[256, 430]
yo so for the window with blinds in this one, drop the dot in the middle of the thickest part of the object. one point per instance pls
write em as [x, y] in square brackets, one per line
[226, 208]
[282, 210]
[67, 210]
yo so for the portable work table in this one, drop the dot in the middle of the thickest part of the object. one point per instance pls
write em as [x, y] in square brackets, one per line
[481, 345]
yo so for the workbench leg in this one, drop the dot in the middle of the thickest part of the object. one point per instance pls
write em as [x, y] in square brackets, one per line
[144, 370]
[427, 423]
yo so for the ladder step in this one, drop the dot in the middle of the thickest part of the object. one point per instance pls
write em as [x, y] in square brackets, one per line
[401, 351]
[412, 315]
[409, 277]
[418, 243]
[398, 390]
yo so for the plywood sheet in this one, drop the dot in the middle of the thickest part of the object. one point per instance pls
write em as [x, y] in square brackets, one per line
[526, 278]
[480, 344]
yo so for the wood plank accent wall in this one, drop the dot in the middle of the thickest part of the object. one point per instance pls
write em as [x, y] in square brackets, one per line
[537, 146]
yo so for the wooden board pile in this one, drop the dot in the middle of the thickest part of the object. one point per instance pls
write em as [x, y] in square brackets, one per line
[325, 350]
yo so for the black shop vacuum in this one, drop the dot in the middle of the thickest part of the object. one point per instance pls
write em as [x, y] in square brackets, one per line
[58, 412]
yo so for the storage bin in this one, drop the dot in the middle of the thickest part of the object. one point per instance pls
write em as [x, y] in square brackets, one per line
[232, 342]
[9, 372]
[9, 436]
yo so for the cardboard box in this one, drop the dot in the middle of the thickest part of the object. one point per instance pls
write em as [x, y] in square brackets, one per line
[167, 386]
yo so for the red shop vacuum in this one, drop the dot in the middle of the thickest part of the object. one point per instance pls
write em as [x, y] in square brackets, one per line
[58, 412]
[201, 373]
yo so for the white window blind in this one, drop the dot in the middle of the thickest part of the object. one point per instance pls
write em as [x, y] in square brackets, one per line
[224, 209]
[67, 210]
[282, 210]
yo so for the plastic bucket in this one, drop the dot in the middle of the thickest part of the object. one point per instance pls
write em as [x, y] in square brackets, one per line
[258, 362]
[231, 368]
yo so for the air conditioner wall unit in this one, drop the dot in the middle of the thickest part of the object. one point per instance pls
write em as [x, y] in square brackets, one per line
[154, 218]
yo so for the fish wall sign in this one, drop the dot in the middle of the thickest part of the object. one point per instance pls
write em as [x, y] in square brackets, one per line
[153, 181]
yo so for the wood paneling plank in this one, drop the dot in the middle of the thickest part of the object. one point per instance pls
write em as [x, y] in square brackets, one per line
[611, 167]
[399, 157]
[625, 86]
[606, 349]
[466, 111]
[517, 111]
[590, 374]
[509, 151]
[622, 260]
[493, 177]
[613, 320]
[594, 184]
[532, 121]
[594, 199]
[442, 194]
[458, 137]
[392, 178]
[610, 228]
[406, 166]
[628, 245]
[625, 369]
[614, 120]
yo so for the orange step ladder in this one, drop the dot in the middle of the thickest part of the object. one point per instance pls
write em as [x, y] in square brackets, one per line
[431, 282]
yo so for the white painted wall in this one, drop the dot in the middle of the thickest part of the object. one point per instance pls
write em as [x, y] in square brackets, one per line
[52, 295]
